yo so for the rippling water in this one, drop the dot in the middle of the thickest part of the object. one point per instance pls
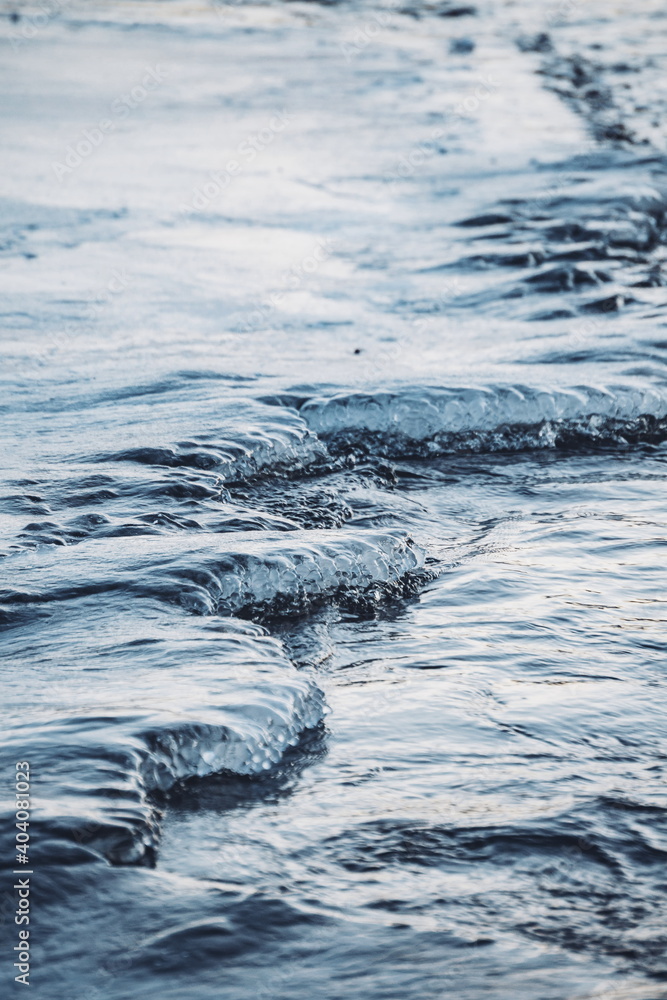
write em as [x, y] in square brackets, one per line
[333, 528]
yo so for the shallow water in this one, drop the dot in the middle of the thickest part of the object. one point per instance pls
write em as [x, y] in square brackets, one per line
[332, 508]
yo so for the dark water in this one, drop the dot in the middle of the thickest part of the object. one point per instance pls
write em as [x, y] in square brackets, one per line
[333, 524]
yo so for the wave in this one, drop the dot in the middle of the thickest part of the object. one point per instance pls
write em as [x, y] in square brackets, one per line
[430, 421]
[256, 440]
[209, 574]
[163, 712]
[171, 698]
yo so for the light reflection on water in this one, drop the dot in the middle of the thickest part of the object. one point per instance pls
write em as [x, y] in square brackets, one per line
[332, 599]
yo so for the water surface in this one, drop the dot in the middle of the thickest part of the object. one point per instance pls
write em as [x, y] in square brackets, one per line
[333, 524]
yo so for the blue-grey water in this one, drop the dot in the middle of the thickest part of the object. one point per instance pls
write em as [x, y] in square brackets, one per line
[334, 433]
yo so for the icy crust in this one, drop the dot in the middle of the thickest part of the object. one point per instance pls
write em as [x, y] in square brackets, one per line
[211, 573]
[234, 706]
[439, 420]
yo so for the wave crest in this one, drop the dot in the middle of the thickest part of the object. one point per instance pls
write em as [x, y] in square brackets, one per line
[417, 421]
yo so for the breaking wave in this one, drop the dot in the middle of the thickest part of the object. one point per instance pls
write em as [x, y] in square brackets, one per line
[208, 574]
[249, 446]
[230, 703]
[428, 421]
